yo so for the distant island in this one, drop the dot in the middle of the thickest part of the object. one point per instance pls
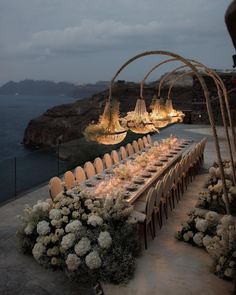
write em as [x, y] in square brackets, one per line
[47, 88]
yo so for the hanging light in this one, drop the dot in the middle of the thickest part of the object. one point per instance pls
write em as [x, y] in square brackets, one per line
[174, 115]
[159, 115]
[138, 120]
[108, 130]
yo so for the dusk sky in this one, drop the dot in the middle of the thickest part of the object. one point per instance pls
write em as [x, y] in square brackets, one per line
[86, 40]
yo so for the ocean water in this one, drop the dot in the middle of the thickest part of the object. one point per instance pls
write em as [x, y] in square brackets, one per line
[22, 168]
[15, 113]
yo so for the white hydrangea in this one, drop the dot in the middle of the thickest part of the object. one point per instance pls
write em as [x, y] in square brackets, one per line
[228, 272]
[72, 262]
[55, 214]
[186, 237]
[211, 217]
[65, 211]
[201, 225]
[59, 232]
[65, 219]
[190, 234]
[88, 202]
[197, 238]
[53, 251]
[29, 229]
[75, 214]
[68, 241]
[83, 246]
[73, 226]
[104, 239]
[231, 263]
[38, 250]
[95, 220]
[227, 220]
[43, 228]
[93, 260]
[41, 206]
[206, 241]
[219, 230]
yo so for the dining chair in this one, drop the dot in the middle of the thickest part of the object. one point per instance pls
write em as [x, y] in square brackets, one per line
[69, 179]
[80, 174]
[107, 160]
[149, 139]
[123, 153]
[145, 141]
[135, 146]
[144, 213]
[89, 169]
[115, 156]
[157, 206]
[98, 165]
[129, 149]
[55, 186]
[141, 144]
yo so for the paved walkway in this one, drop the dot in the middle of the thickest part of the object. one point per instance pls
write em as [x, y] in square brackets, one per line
[167, 267]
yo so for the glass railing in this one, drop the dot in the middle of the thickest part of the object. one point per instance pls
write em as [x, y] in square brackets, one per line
[23, 173]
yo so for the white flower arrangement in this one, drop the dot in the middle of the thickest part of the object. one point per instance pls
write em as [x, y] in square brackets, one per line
[206, 241]
[68, 241]
[29, 229]
[95, 220]
[201, 225]
[38, 251]
[73, 226]
[197, 238]
[105, 239]
[42, 206]
[83, 246]
[93, 261]
[55, 214]
[43, 228]
[212, 217]
[72, 262]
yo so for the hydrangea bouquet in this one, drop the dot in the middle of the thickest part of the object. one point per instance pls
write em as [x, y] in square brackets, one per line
[90, 239]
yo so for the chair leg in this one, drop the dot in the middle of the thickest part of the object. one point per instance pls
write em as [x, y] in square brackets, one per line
[166, 210]
[145, 234]
[153, 227]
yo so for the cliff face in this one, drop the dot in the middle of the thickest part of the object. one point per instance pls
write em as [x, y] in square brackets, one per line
[67, 122]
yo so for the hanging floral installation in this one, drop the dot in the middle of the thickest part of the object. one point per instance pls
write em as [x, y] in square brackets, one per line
[108, 130]
[138, 120]
[158, 115]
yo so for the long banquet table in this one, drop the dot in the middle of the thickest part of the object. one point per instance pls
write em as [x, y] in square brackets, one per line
[112, 181]
[108, 183]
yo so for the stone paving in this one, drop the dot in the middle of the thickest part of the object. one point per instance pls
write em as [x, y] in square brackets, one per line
[167, 267]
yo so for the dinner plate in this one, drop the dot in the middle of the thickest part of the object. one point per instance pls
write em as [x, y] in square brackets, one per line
[164, 160]
[152, 169]
[132, 187]
[146, 174]
[89, 183]
[99, 176]
[138, 180]
[158, 164]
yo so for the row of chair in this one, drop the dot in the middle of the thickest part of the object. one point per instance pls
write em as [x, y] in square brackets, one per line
[168, 190]
[90, 169]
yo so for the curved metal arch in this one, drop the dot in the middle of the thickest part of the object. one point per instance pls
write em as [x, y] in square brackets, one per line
[208, 104]
[218, 85]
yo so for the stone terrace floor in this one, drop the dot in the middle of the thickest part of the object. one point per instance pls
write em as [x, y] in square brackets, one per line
[167, 267]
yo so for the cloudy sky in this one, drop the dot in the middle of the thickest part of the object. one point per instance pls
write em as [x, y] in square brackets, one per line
[87, 40]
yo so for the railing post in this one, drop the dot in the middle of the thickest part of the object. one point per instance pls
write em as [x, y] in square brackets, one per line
[58, 158]
[15, 189]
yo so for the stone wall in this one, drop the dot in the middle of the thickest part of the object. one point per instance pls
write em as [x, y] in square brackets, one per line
[199, 111]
